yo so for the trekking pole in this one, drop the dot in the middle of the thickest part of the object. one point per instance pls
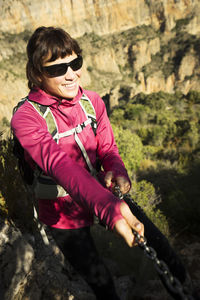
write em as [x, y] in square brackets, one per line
[40, 227]
[166, 262]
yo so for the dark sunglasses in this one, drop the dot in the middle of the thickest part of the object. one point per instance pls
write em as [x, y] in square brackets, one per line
[61, 69]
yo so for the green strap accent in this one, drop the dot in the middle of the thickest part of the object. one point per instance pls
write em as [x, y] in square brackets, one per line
[46, 113]
[89, 110]
[88, 107]
[51, 123]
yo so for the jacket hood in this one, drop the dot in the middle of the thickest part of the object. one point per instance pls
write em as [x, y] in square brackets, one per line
[41, 97]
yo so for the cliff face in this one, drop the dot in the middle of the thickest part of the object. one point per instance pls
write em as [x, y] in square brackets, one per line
[77, 17]
[99, 16]
[148, 45]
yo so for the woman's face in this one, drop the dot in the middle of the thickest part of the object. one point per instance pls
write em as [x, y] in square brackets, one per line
[63, 86]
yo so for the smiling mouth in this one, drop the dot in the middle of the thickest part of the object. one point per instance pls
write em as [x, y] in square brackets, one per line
[70, 85]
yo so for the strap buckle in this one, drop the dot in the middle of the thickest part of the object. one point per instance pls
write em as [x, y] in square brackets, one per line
[79, 127]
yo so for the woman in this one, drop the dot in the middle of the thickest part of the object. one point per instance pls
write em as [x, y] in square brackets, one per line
[67, 159]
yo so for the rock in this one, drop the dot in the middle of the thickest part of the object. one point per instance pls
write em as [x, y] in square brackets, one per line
[187, 66]
[16, 259]
[29, 270]
[141, 54]
[155, 82]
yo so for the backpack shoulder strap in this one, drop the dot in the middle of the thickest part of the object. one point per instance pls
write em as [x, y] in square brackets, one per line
[89, 110]
[47, 114]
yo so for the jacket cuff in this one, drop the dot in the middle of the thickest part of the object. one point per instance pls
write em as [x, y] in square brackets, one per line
[111, 214]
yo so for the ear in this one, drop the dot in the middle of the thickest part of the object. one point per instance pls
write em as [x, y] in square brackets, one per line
[39, 81]
[39, 78]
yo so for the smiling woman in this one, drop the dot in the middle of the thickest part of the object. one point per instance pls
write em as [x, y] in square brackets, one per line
[63, 128]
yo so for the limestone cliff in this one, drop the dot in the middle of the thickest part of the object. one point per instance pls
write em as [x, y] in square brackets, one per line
[148, 45]
[99, 16]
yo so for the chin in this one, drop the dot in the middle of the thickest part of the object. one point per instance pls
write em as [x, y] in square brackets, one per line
[70, 94]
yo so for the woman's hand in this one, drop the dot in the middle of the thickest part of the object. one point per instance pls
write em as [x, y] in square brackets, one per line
[129, 222]
[121, 181]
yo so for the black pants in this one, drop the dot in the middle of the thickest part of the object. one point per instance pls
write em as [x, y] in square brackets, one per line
[78, 248]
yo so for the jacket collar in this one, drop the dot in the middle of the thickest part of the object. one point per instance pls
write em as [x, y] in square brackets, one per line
[41, 97]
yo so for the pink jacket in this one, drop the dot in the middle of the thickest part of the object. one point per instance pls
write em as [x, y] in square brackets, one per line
[65, 163]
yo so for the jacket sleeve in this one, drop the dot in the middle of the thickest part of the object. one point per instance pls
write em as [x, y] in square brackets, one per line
[31, 131]
[107, 149]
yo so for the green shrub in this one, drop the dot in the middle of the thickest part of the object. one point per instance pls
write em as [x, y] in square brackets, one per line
[5, 122]
[193, 97]
[143, 193]
[130, 148]
[136, 112]
[157, 135]
[89, 68]
[181, 23]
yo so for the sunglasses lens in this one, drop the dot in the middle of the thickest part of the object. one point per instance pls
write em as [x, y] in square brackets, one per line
[77, 63]
[56, 70]
[61, 69]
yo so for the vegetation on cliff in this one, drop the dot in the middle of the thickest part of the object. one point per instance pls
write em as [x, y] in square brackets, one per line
[159, 139]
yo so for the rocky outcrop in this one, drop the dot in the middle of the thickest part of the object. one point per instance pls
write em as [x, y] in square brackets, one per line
[16, 258]
[32, 270]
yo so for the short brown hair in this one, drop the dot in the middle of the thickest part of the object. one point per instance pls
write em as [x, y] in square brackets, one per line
[47, 43]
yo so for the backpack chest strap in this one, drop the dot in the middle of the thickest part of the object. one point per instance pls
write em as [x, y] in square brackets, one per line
[78, 129]
[75, 131]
